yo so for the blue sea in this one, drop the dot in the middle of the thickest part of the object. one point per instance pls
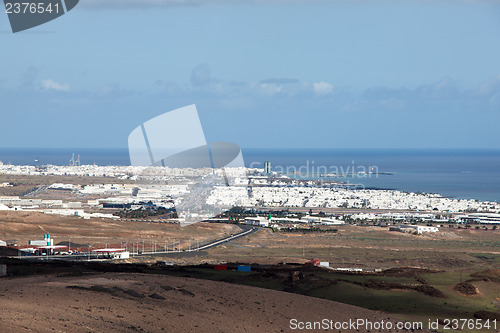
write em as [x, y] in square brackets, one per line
[471, 174]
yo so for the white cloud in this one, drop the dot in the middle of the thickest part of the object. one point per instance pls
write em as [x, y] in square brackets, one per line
[201, 80]
[322, 88]
[201, 76]
[52, 85]
[490, 86]
[280, 81]
[270, 88]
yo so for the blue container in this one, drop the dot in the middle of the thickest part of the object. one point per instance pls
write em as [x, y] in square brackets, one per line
[243, 268]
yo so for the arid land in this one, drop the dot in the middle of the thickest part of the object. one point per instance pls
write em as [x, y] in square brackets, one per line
[454, 273]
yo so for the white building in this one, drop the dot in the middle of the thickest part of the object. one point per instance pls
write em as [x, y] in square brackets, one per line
[121, 255]
[257, 221]
[311, 219]
[419, 229]
[47, 241]
[325, 221]
[491, 218]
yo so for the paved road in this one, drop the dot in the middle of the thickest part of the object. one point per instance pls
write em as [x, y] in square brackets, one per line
[37, 190]
[246, 232]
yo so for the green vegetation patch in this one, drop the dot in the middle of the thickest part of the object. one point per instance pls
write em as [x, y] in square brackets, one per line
[490, 258]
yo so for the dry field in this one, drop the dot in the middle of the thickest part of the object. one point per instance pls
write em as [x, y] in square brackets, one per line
[366, 247]
[24, 226]
[135, 302]
[118, 302]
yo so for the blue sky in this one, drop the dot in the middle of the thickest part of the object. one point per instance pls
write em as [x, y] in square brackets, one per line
[285, 74]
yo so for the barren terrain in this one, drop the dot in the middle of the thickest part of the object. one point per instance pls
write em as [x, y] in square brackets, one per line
[118, 302]
[24, 226]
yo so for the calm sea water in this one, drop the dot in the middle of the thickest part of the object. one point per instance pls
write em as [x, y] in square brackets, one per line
[471, 174]
[41, 156]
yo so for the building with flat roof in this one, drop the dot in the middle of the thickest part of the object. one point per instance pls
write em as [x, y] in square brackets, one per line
[257, 221]
[419, 229]
[47, 241]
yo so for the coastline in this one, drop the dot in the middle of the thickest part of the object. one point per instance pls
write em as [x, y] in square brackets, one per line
[461, 174]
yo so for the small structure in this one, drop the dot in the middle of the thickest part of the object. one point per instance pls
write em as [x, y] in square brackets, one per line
[113, 253]
[2, 243]
[47, 241]
[314, 262]
[419, 229]
[326, 221]
[257, 221]
[11, 242]
[311, 219]
[220, 267]
[491, 218]
[122, 255]
[244, 268]
[49, 250]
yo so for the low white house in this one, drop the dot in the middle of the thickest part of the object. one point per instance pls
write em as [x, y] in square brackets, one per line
[326, 221]
[419, 229]
[121, 255]
[311, 219]
[257, 221]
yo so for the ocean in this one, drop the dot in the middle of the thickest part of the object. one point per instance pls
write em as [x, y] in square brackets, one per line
[459, 173]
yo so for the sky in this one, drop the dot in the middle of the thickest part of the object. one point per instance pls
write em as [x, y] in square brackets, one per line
[277, 73]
